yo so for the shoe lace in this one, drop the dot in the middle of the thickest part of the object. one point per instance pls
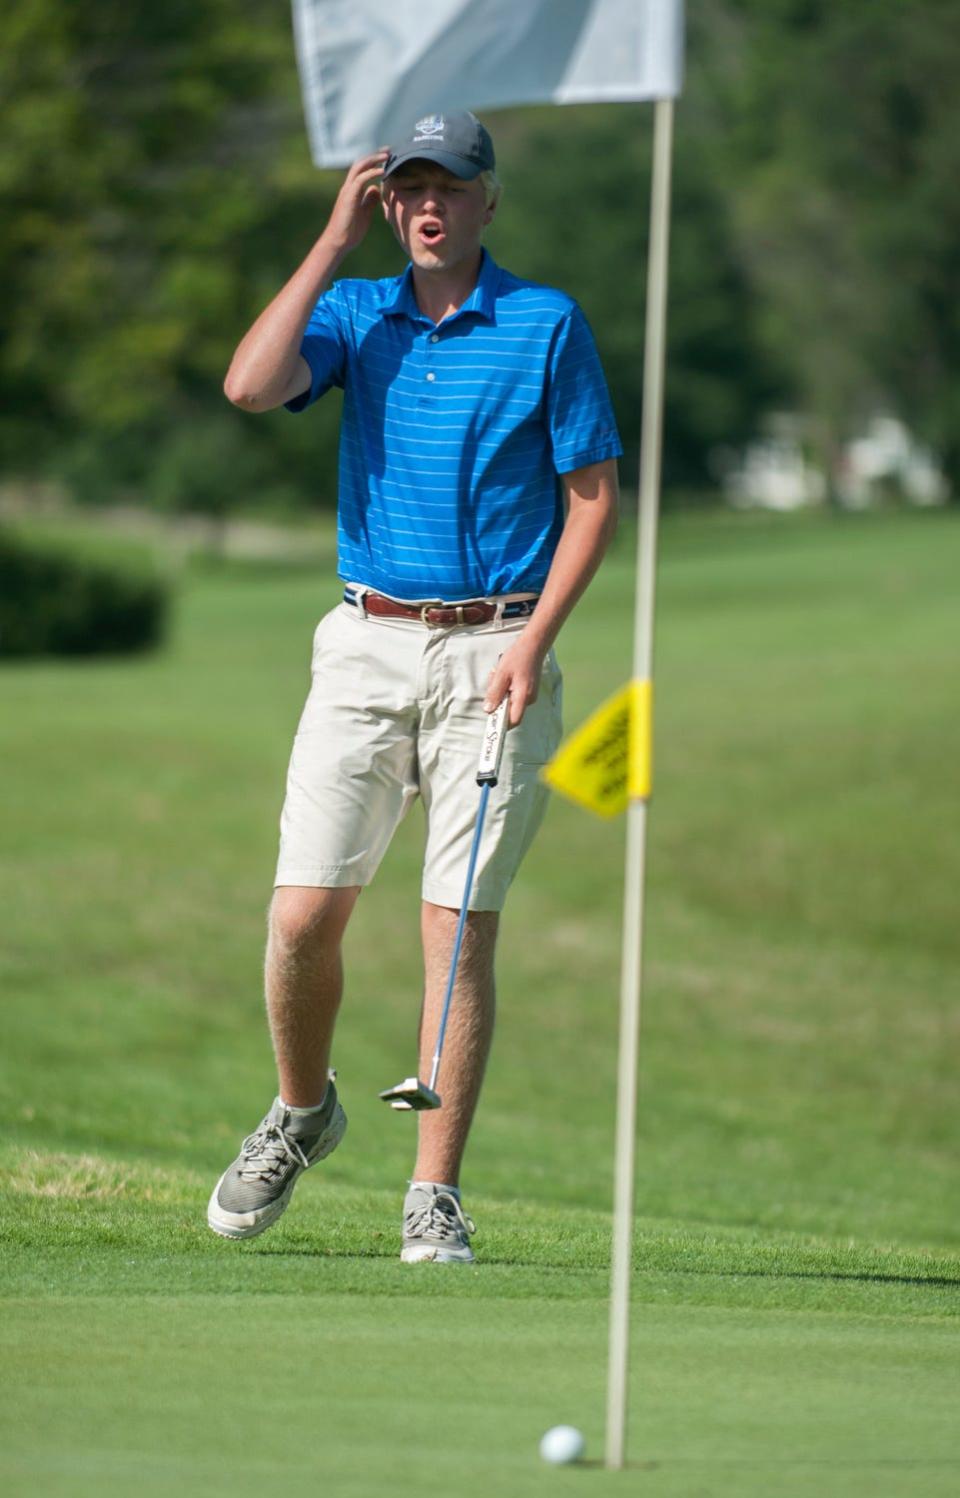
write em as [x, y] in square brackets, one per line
[439, 1216]
[267, 1150]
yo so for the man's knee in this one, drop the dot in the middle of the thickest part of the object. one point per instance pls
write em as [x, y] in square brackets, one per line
[479, 935]
[304, 919]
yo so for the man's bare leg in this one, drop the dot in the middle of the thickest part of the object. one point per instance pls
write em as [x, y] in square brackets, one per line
[304, 984]
[443, 1134]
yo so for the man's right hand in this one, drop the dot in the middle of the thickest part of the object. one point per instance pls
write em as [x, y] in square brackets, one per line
[356, 203]
[268, 367]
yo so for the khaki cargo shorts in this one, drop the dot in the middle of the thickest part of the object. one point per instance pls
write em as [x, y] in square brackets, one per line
[395, 712]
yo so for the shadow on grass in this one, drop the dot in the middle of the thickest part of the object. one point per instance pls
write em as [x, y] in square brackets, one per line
[595, 1464]
[790, 1461]
[816, 1274]
[386, 1254]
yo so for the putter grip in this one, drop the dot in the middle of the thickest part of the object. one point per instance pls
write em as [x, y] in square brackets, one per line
[491, 753]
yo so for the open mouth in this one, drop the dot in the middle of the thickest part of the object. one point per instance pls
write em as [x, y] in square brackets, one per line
[432, 233]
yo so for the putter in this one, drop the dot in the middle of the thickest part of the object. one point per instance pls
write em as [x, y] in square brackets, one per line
[412, 1095]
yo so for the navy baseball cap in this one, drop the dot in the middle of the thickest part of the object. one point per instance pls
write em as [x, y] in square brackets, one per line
[456, 140]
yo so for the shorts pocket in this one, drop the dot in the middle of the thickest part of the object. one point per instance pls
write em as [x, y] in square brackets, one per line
[321, 636]
[535, 740]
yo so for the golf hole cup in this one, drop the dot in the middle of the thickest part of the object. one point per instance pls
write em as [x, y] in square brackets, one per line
[562, 1445]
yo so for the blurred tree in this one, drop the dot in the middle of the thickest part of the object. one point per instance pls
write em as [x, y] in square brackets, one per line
[575, 213]
[155, 177]
[160, 191]
[839, 126]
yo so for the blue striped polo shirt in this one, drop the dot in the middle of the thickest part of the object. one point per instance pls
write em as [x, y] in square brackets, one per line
[453, 434]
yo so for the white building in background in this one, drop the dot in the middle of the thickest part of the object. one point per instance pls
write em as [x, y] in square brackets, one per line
[886, 457]
[776, 472]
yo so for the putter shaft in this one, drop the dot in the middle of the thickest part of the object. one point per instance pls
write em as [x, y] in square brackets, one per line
[458, 940]
[412, 1094]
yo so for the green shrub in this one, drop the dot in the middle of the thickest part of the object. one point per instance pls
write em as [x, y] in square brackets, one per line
[52, 603]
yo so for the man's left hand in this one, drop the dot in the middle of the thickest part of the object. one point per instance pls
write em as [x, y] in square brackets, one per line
[517, 672]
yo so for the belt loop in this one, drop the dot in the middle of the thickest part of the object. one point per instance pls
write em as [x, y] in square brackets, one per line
[359, 594]
[498, 616]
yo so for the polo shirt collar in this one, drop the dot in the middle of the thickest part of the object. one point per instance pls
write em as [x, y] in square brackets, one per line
[483, 297]
[402, 301]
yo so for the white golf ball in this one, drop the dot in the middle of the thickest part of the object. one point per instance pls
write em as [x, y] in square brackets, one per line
[562, 1444]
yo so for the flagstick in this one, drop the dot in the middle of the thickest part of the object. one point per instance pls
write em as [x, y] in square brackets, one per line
[632, 961]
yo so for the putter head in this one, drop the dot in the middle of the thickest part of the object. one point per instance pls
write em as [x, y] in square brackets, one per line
[411, 1096]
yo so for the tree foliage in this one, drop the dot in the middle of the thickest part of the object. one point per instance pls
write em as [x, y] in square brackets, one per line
[158, 191]
[840, 125]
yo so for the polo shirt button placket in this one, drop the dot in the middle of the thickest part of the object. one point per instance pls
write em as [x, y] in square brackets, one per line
[427, 399]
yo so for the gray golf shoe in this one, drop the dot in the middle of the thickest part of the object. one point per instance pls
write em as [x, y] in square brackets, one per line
[435, 1227]
[255, 1190]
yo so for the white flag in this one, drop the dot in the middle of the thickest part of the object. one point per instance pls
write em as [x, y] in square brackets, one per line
[370, 68]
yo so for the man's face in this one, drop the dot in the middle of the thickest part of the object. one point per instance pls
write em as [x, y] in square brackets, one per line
[438, 218]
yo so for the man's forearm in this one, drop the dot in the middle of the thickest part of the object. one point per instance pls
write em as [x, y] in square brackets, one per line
[265, 362]
[588, 531]
[266, 358]
[579, 553]
[592, 500]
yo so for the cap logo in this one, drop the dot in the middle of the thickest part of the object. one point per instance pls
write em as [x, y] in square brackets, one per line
[430, 126]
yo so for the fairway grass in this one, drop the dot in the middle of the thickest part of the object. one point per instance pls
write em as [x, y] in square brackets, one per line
[797, 1259]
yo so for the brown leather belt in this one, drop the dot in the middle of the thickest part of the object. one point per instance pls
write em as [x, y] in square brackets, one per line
[441, 615]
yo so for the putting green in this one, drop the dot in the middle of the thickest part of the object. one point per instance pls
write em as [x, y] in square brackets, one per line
[208, 1394]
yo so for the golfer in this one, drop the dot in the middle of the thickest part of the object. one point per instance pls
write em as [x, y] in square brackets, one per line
[477, 494]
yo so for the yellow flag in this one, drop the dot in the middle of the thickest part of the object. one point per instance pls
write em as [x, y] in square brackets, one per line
[608, 761]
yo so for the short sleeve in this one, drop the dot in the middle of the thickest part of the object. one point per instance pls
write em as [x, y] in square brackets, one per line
[579, 414]
[324, 348]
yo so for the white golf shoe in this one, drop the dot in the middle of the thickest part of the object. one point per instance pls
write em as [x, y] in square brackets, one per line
[254, 1191]
[436, 1229]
